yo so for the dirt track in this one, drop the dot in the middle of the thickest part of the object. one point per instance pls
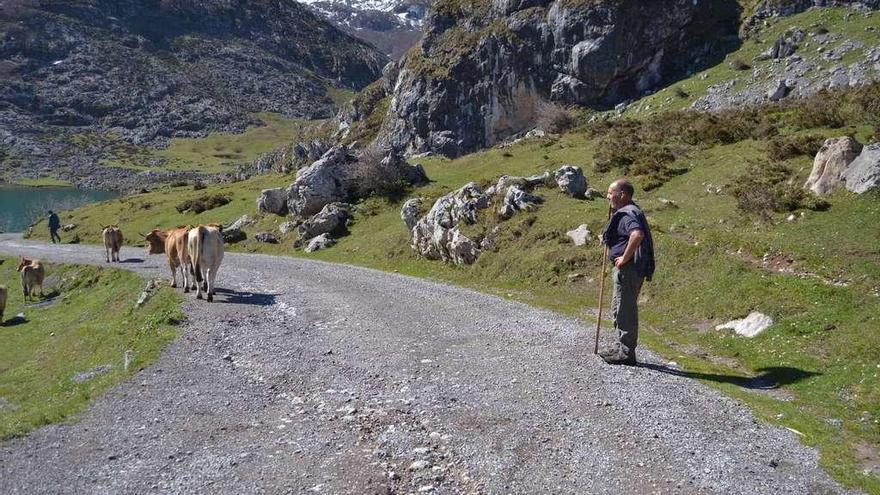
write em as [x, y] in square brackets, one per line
[308, 377]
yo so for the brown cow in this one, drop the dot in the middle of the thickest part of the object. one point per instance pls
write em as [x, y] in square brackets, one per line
[32, 273]
[112, 242]
[173, 244]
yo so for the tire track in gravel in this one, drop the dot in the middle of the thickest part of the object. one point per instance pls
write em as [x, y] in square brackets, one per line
[309, 377]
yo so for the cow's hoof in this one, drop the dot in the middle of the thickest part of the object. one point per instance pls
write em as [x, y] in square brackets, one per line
[186, 290]
[174, 285]
[198, 296]
[210, 298]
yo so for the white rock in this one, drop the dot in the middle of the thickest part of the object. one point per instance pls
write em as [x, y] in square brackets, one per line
[580, 235]
[418, 465]
[751, 325]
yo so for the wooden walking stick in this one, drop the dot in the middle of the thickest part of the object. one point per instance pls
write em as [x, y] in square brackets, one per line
[601, 291]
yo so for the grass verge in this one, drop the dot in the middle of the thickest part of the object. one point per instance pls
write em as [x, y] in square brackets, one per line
[86, 323]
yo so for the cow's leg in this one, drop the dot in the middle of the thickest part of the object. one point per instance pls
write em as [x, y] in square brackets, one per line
[173, 273]
[209, 278]
[107, 253]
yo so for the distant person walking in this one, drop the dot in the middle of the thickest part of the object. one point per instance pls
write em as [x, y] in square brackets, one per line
[631, 249]
[54, 225]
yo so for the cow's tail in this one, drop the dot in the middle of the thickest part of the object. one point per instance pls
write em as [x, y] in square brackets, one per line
[197, 253]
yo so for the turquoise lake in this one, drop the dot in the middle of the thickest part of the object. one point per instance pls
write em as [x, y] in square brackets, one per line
[20, 206]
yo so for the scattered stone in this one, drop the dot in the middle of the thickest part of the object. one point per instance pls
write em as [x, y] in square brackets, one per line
[580, 235]
[92, 373]
[419, 465]
[751, 325]
[779, 91]
[831, 162]
[68, 227]
[266, 237]
[147, 293]
[668, 203]
[273, 201]
[322, 241]
[571, 181]
[864, 172]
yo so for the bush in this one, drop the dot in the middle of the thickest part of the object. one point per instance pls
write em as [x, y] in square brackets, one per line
[203, 203]
[554, 118]
[785, 147]
[739, 64]
[770, 187]
[373, 175]
[680, 92]
[199, 185]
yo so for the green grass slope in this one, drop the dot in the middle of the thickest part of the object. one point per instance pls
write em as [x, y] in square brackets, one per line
[88, 319]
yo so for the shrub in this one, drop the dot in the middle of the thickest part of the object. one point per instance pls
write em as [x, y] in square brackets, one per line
[204, 203]
[199, 185]
[373, 175]
[554, 118]
[739, 64]
[680, 92]
[785, 147]
[770, 187]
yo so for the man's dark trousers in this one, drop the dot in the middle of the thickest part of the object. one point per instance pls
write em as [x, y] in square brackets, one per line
[624, 307]
[53, 233]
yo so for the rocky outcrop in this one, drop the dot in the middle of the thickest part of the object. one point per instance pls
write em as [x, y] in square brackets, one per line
[480, 73]
[516, 199]
[118, 72]
[332, 219]
[863, 173]
[273, 201]
[285, 159]
[326, 181]
[831, 162]
[571, 181]
[436, 235]
[266, 237]
[779, 8]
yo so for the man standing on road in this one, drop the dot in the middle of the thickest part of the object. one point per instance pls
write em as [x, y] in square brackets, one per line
[631, 249]
[54, 225]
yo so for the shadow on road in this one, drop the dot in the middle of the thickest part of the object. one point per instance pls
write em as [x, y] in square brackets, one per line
[15, 320]
[768, 379]
[252, 298]
[132, 260]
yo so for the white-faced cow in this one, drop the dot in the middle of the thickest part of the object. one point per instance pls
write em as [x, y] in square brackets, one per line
[32, 274]
[173, 244]
[206, 252]
[112, 242]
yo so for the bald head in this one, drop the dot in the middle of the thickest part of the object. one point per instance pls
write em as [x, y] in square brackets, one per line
[620, 193]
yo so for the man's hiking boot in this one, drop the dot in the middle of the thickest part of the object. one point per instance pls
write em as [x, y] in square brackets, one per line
[615, 355]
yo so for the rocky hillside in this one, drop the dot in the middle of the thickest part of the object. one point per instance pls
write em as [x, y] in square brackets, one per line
[144, 71]
[392, 26]
[486, 70]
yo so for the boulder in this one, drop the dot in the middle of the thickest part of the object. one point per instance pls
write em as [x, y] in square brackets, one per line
[864, 172]
[273, 201]
[241, 223]
[266, 237]
[433, 233]
[571, 181]
[231, 236]
[409, 213]
[331, 219]
[415, 174]
[580, 235]
[518, 199]
[751, 325]
[323, 241]
[68, 227]
[831, 161]
[287, 227]
[323, 182]
[778, 91]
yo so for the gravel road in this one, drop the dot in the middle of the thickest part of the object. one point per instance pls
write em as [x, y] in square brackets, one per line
[309, 377]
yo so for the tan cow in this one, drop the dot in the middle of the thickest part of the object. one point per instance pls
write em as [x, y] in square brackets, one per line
[32, 274]
[206, 252]
[112, 242]
[3, 294]
[173, 244]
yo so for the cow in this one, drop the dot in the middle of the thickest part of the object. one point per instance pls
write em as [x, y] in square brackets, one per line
[3, 293]
[112, 242]
[32, 273]
[173, 243]
[206, 253]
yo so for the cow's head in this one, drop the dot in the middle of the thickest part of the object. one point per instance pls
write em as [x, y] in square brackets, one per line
[155, 241]
[23, 262]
